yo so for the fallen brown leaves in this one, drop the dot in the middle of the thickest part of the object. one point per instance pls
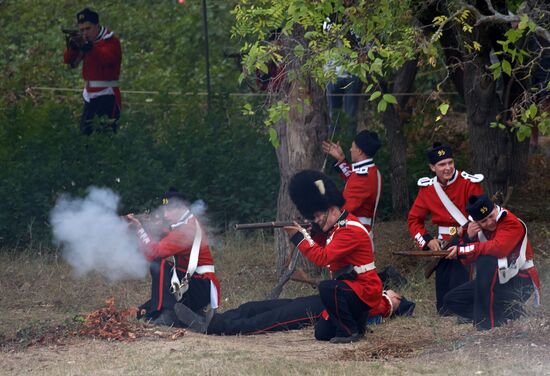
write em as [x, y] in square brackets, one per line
[107, 323]
[110, 323]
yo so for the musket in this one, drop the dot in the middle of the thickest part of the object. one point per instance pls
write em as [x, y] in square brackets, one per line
[422, 253]
[445, 244]
[70, 31]
[274, 224]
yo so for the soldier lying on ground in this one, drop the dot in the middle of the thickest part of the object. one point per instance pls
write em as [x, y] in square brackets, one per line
[265, 316]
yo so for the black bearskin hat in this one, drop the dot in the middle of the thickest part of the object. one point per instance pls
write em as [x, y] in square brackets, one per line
[312, 191]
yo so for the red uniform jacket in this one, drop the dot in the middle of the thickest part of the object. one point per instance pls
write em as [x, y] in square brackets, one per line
[361, 190]
[101, 63]
[178, 243]
[458, 189]
[505, 241]
[346, 245]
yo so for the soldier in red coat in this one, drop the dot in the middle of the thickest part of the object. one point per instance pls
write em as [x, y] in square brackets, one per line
[348, 254]
[362, 177]
[363, 187]
[506, 276]
[443, 197]
[99, 51]
[182, 267]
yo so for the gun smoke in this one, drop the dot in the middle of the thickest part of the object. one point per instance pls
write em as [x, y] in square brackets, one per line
[95, 238]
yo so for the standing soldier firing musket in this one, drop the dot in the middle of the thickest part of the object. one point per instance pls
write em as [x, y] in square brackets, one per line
[99, 51]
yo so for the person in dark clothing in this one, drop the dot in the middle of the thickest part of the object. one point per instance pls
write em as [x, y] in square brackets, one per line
[266, 316]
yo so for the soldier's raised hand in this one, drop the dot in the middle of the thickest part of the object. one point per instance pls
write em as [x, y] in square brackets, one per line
[334, 150]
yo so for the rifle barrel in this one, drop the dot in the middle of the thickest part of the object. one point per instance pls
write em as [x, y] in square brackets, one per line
[260, 225]
[422, 253]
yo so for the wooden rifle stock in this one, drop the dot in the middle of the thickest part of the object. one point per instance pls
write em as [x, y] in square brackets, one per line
[445, 244]
[274, 224]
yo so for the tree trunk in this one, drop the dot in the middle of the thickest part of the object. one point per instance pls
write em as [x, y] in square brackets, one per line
[300, 148]
[496, 153]
[393, 119]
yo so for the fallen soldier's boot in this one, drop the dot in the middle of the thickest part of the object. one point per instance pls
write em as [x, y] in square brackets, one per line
[194, 321]
[166, 318]
[349, 339]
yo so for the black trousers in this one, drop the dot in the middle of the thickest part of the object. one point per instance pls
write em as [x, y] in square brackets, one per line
[487, 302]
[347, 313]
[268, 316]
[449, 274]
[103, 107]
[196, 298]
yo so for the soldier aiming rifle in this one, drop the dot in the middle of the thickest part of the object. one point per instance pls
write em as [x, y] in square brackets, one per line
[99, 51]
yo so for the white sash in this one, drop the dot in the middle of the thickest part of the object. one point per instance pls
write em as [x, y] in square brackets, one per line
[379, 177]
[448, 204]
[360, 225]
[505, 271]
[178, 288]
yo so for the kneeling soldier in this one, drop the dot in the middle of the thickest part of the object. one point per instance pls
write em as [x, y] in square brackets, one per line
[505, 274]
[182, 267]
[348, 254]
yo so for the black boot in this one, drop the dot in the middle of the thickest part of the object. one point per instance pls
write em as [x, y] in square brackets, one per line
[349, 339]
[166, 318]
[194, 321]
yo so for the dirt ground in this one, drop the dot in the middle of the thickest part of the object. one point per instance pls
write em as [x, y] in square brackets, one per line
[407, 347]
[40, 321]
[42, 304]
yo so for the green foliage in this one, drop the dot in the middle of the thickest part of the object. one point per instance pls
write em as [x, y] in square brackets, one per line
[214, 158]
[167, 136]
[523, 124]
[162, 43]
[310, 48]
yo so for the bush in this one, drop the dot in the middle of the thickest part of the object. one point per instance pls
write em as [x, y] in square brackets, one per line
[217, 158]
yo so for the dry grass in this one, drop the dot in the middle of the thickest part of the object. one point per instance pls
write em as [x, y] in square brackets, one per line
[40, 297]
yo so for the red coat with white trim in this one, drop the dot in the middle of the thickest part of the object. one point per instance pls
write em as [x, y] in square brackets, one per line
[361, 189]
[505, 241]
[346, 245]
[458, 189]
[178, 243]
[101, 63]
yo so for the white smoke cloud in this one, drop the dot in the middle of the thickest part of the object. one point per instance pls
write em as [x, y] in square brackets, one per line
[198, 208]
[95, 238]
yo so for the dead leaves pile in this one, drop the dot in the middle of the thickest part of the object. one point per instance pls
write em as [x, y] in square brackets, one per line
[112, 324]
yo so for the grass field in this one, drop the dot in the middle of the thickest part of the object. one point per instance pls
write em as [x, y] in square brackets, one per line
[40, 297]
